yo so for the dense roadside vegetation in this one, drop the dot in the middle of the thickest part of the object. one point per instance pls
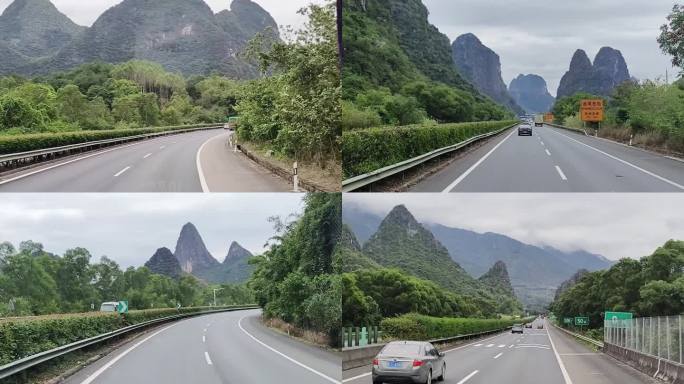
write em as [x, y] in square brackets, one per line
[21, 337]
[297, 280]
[365, 150]
[651, 286]
[420, 327]
[398, 70]
[36, 282]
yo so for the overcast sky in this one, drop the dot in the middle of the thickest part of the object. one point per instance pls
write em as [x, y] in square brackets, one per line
[129, 228]
[612, 225]
[85, 12]
[540, 36]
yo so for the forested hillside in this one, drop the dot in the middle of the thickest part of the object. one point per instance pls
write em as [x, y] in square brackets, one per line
[398, 69]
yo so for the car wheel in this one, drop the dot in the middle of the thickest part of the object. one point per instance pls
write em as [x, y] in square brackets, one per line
[429, 377]
[377, 382]
[443, 375]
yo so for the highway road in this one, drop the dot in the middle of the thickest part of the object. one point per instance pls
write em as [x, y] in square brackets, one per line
[191, 162]
[556, 160]
[231, 347]
[539, 356]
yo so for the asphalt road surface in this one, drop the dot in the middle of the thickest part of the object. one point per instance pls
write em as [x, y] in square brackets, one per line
[556, 160]
[231, 347]
[539, 356]
[190, 162]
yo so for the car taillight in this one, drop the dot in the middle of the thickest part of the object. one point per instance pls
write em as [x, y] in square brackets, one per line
[375, 362]
[417, 363]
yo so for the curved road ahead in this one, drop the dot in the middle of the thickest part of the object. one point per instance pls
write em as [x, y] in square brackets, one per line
[190, 162]
[556, 160]
[230, 347]
[539, 356]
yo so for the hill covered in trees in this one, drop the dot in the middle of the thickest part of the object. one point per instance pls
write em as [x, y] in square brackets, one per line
[651, 286]
[398, 69]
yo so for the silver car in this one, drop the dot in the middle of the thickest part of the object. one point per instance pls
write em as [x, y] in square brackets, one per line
[408, 361]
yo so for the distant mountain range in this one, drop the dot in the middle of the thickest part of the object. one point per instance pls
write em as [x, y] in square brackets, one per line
[535, 272]
[183, 35]
[531, 93]
[192, 257]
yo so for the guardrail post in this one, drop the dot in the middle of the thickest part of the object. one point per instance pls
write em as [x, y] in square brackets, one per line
[295, 178]
[357, 336]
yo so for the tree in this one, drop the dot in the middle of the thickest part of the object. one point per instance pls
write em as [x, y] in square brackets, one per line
[24, 276]
[671, 37]
[126, 109]
[74, 277]
[72, 104]
[16, 112]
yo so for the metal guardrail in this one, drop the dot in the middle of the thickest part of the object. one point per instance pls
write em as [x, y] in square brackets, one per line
[31, 361]
[576, 130]
[51, 153]
[581, 337]
[361, 181]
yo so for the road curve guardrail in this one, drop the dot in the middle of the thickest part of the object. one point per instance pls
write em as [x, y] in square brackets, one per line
[361, 181]
[31, 361]
[576, 130]
[39, 155]
[581, 337]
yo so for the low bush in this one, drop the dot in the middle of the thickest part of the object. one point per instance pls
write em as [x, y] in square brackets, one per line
[420, 327]
[26, 336]
[31, 142]
[366, 150]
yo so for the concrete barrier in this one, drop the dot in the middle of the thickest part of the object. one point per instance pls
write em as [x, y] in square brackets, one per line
[359, 356]
[665, 370]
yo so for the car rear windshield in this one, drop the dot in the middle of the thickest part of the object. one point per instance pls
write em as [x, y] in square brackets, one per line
[401, 349]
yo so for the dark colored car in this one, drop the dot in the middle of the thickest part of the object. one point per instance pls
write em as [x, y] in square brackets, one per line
[524, 129]
[408, 361]
[528, 325]
[517, 328]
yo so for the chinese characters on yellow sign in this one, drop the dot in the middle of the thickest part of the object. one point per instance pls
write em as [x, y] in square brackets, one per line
[548, 118]
[591, 110]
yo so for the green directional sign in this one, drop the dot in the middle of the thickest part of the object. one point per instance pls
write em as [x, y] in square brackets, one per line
[581, 321]
[618, 316]
[122, 307]
[567, 320]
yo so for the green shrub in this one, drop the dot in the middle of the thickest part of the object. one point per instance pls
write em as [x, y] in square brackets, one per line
[366, 150]
[420, 327]
[22, 337]
[30, 142]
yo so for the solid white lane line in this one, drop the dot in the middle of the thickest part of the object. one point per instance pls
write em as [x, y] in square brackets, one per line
[198, 160]
[502, 345]
[548, 153]
[204, 339]
[478, 345]
[471, 169]
[566, 377]
[625, 162]
[468, 377]
[542, 143]
[207, 358]
[328, 378]
[490, 345]
[580, 354]
[146, 156]
[560, 172]
[121, 172]
[97, 373]
[497, 356]
[357, 377]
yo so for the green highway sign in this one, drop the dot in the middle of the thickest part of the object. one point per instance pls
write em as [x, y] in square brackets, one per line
[580, 321]
[618, 316]
[122, 307]
[567, 320]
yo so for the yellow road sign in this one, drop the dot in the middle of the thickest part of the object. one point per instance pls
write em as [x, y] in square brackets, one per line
[591, 110]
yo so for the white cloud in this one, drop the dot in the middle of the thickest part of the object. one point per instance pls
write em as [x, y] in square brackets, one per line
[614, 225]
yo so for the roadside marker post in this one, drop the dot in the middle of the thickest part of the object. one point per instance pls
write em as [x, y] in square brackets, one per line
[295, 179]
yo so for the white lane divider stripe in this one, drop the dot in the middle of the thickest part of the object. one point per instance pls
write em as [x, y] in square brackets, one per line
[624, 162]
[497, 356]
[502, 345]
[357, 377]
[204, 339]
[200, 171]
[162, 147]
[478, 345]
[121, 172]
[489, 345]
[560, 172]
[471, 169]
[471, 344]
[97, 373]
[468, 377]
[207, 358]
[328, 378]
[548, 153]
[146, 156]
[566, 377]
